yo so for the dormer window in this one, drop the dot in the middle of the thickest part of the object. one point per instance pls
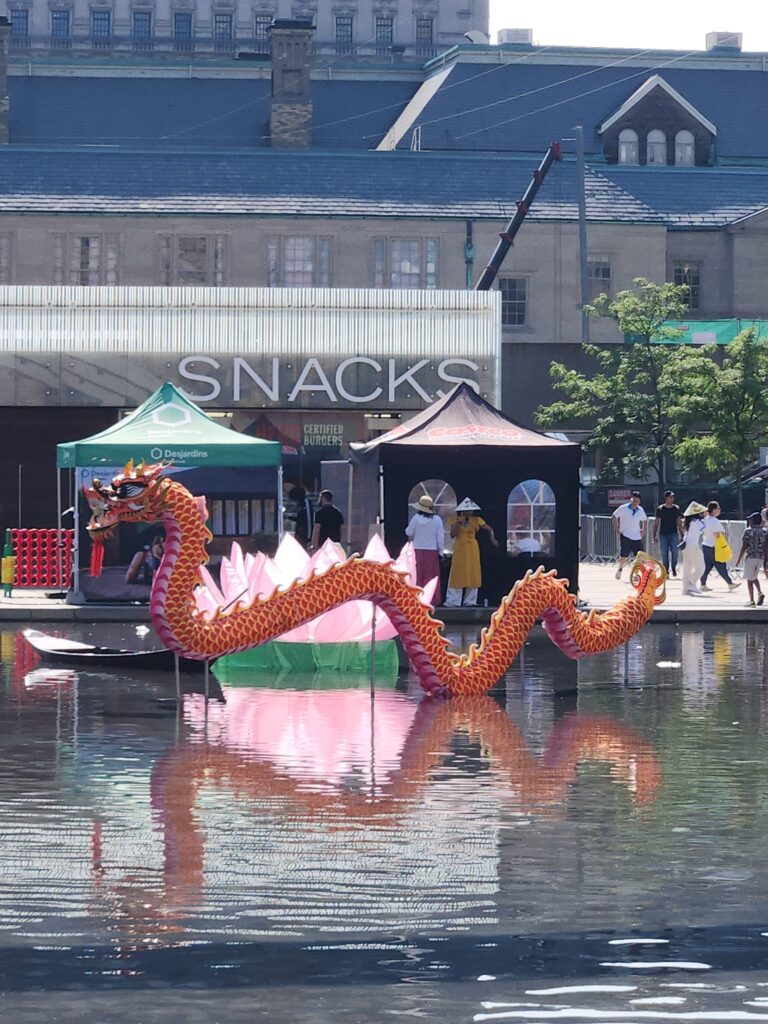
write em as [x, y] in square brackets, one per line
[656, 147]
[629, 151]
[685, 149]
[686, 140]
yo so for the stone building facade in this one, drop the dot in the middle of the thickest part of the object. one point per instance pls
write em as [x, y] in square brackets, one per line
[377, 29]
[539, 281]
[249, 175]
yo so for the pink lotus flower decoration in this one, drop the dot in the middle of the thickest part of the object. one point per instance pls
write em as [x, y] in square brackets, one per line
[246, 577]
[322, 739]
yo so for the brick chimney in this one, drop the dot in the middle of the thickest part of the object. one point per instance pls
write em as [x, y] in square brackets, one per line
[5, 31]
[290, 114]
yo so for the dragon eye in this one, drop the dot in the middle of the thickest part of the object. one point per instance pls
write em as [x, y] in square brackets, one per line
[130, 490]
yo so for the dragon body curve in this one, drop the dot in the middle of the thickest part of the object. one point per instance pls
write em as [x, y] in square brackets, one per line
[142, 494]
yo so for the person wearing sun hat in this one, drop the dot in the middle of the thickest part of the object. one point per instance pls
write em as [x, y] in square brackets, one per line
[427, 534]
[466, 573]
[693, 556]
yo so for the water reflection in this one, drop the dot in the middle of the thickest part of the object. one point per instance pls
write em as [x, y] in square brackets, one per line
[340, 759]
[312, 834]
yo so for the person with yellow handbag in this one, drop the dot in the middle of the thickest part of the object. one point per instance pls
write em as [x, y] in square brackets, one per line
[715, 547]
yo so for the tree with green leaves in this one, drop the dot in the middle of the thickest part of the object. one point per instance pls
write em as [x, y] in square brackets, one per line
[631, 402]
[722, 414]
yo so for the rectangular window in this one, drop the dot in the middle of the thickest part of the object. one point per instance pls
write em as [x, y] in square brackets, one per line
[385, 32]
[405, 263]
[599, 274]
[101, 22]
[344, 29]
[262, 31]
[240, 517]
[85, 259]
[689, 274]
[192, 260]
[379, 263]
[222, 27]
[182, 25]
[430, 263]
[301, 261]
[60, 24]
[5, 257]
[230, 519]
[142, 25]
[424, 35]
[19, 24]
[514, 301]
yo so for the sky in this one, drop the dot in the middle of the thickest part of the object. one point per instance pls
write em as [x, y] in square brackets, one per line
[657, 24]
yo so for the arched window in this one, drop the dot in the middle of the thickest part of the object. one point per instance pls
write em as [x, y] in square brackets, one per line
[656, 147]
[685, 149]
[629, 152]
[444, 497]
[531, 519]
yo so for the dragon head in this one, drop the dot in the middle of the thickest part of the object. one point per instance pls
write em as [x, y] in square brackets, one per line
[136, 495]
[648, 575]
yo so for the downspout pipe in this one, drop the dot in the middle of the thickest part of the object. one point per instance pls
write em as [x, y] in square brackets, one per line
[469, 257]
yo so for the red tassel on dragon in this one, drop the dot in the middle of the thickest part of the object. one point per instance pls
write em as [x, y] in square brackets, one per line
[143, 494]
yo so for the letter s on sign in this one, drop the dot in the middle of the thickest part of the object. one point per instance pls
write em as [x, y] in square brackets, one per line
[187, 374]
[340, 380]
[449, 379]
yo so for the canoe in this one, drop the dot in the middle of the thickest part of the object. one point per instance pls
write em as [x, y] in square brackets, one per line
[74, 652]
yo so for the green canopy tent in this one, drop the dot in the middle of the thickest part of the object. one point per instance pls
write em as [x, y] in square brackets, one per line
[168, 427]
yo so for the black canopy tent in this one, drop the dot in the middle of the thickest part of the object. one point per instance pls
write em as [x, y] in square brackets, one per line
[481, 454]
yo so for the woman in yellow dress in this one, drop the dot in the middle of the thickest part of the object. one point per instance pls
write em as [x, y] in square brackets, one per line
[466, 575]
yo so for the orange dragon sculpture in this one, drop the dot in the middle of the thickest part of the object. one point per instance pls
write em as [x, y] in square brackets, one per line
[142, 494]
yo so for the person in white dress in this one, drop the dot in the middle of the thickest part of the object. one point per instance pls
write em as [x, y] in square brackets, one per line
[693, 556]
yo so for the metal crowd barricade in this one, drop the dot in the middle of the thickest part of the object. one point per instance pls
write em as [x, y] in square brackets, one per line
[598, 541]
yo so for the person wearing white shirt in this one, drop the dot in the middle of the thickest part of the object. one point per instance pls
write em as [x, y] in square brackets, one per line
[427, 534]
[693, 559]
[629, 525]
[712, 527]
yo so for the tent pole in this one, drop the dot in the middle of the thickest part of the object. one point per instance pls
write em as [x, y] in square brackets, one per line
[280, 502]
[381, 501]
[76, 541]
[350, 547]
[59, 534]
[373, 653]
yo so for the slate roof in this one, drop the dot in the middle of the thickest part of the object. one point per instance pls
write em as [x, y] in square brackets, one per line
[195, 113]
[700, 197]
[541, 102]
[365, 184]
[537, 102]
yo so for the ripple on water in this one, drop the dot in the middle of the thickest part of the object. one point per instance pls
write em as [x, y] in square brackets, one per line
[524, 838]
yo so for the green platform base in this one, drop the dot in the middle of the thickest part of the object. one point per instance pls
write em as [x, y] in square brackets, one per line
[338, 666]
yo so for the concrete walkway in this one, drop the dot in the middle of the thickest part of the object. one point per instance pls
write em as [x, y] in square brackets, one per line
[598, 589]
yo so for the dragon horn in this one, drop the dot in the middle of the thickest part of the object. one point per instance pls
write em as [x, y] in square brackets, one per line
[128, 468]
[142, 468]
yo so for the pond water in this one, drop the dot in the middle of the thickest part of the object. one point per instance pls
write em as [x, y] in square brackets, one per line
[587, 844]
